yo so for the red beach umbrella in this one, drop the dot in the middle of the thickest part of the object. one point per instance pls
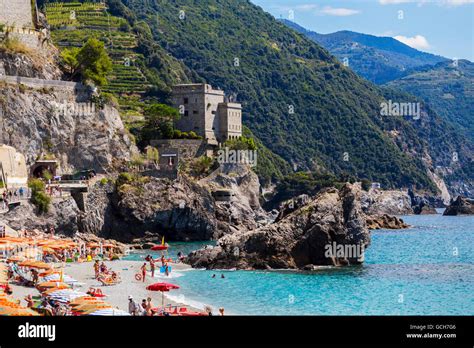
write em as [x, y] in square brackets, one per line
[162, 287]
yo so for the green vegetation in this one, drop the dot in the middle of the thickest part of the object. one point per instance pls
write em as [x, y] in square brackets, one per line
[377, 59]
[38, 196]
[299, 183]
[199, 167]
[303, 104]
[448, 88]
[91, 62]
[158, 123]
[243, 143]
[308, 110]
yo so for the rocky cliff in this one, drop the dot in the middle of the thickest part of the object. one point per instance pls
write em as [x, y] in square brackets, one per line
[385, 221]
[461, 206]
[303, 238]
[63, 216]
[58, 121]
[145, 208]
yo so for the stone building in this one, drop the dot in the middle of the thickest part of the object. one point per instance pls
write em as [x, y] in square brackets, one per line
[206, 112]
[13, 171]
[17, 17]
[16, 13]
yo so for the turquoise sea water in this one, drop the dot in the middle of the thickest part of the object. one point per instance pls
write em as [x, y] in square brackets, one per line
[424, 270]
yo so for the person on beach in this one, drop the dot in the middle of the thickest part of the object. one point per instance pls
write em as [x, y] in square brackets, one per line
[149, 311]
[222, 276]
[143, 308]
[132, 306]
[34, 273]
[29, 301]
[162, 260]
[143, 268]
[167, 269]
[221, 311]
[103, 268]
[213, 276]
[152, 266]
[96, 268]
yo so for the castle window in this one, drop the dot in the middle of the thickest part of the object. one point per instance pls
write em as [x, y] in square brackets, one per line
[195, 112]
[186, 100]
[186, 113]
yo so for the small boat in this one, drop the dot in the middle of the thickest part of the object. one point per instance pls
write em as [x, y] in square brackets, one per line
[161, 246]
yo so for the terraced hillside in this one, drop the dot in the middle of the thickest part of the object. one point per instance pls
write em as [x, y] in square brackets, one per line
[73, 23]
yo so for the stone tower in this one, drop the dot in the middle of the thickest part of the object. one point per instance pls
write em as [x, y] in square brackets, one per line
[205, 112]
[17, 13]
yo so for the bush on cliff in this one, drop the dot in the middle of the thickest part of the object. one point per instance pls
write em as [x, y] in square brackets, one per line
[91, 62]
[38, 196]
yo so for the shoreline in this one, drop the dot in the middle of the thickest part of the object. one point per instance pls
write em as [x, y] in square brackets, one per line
[117, 295]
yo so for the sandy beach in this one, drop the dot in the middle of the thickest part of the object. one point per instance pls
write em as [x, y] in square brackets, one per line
[117, 295]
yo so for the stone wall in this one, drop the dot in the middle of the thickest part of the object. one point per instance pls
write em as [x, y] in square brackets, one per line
[188, 148]
[16, 13]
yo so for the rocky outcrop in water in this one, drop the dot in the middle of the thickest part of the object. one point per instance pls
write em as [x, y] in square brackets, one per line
[391, 202]
[303, 239]
[461, 206]
[396, 202]
[385, 221]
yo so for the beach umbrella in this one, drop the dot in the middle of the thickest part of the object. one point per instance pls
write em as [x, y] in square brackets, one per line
[49, 285]
[110, 312]
[56, 277]
[162, 287]
[91, 307]
[83, 299]
[83, 303]
[8, 311]
[36, 264]
[16, 259]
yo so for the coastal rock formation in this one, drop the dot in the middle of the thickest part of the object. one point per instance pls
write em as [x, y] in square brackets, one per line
[304, 238]
[391, 202]
[385, 221]
[38, 64]
[397, 202]
[62, 216]
[424, 205]
[461, 206]
[147, 208]
[244, 212]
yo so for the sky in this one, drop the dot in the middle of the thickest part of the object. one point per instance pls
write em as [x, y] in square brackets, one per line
[442, 27]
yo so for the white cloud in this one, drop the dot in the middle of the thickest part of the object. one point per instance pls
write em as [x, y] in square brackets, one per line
[457, 2]
[306, 7]
[328, 10]
[418, 41]
[449, 3]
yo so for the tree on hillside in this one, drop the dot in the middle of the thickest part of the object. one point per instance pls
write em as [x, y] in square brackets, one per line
[159, 119]
[91, 62]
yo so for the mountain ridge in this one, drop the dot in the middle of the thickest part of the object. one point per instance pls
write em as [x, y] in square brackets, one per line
[378, 59]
